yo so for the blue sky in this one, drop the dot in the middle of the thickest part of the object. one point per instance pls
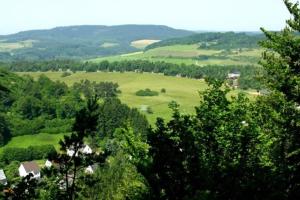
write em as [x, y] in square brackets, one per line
[220, 15]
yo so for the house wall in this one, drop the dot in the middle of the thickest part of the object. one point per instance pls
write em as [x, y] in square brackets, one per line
[22, 171]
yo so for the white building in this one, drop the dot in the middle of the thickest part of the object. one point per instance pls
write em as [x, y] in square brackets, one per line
[86, 149]
[3, 179]
[91, 169]
[30, 167]
[48, 164]
[234, 75]
[70, 152]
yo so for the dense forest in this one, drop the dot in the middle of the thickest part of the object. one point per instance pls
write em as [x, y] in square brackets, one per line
[249, 78]
[219, 41]
[229, 149]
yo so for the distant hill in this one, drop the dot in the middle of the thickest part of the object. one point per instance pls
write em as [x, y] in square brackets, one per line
[214, 40]
[81, 41]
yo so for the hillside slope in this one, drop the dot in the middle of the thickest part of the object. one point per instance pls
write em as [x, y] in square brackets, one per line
[81, 41]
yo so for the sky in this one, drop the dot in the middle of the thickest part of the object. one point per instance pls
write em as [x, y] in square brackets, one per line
[201, 15]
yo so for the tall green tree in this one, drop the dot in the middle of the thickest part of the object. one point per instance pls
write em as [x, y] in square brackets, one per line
[281, 61]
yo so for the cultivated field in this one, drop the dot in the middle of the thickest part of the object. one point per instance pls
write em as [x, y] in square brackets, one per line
[141, 44]
[9, 46]
[191, 54]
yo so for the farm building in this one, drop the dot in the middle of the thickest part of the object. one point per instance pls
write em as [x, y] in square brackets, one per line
[3, 179]
[30, 167]
[233, 79]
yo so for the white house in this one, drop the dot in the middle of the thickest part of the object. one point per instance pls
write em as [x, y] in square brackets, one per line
[234, 75]
[30, 167]
[48, 164]
[3, 179]
[91, 169]
[86, 149]
[70, 152]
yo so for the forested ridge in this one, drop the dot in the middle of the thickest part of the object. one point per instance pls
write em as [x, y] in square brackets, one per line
[77, 42]
[213, 40]
[230, 148]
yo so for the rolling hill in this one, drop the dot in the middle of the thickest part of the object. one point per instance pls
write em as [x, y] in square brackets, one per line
[82, 41]
[200, 49]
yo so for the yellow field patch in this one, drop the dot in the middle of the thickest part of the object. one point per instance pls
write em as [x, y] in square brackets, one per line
[9, 46]
[141, 44]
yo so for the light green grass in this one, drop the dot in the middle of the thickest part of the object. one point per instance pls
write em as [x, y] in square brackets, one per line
[182, 90]
[188, 54]
[34, 140]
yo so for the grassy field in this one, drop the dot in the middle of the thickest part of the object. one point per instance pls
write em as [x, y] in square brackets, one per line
[188, 54]
[182, 90]
[30, 140]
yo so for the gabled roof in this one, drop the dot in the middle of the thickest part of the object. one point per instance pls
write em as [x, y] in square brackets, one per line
[31, 167]
[2, 175]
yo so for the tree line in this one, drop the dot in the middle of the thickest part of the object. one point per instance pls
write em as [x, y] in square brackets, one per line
[248, 79]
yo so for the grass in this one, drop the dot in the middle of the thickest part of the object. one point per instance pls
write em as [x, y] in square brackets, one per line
[183, 90]
[30, 140]
[188, 54]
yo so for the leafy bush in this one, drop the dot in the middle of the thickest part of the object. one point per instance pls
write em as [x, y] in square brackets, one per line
[146, 92]
[26, 154]
[57, 126]
[65, 74]
[163, 90]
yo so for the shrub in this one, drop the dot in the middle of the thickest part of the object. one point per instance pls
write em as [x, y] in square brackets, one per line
[149, 110]
[163, 90]
[65, 74]
[146, 92]
[25, 154]
[55, 126]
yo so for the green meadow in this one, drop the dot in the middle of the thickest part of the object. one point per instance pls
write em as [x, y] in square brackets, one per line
[190, 54]
[34, 140]
[182, 90]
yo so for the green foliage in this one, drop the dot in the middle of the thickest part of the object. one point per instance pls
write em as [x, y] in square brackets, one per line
[118, 179]
[113, 114]
[146, 92]
[26, 154]
[163, 90]
[280, 109]
[4, 131]
[25, 189]
[229, 40]
[212, 155]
